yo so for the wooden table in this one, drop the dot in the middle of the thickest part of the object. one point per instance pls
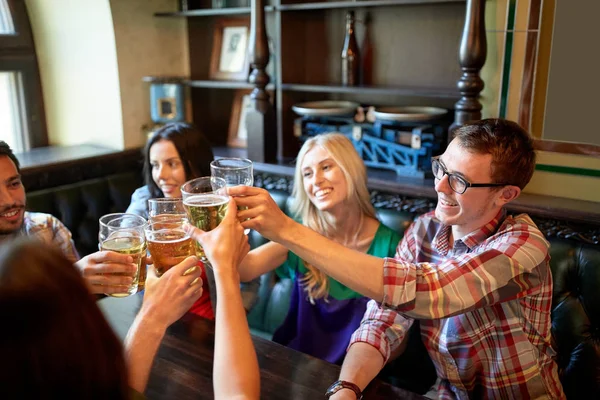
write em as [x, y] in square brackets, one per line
[183, 366]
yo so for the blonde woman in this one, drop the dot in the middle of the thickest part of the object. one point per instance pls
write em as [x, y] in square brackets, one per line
[331, 197]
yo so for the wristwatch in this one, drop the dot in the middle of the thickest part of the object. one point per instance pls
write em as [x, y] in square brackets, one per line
[339, 385]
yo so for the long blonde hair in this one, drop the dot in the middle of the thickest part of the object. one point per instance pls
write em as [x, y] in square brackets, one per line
[343, 153]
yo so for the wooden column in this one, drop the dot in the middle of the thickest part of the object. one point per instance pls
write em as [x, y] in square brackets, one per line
[260, 120]
[472, 54]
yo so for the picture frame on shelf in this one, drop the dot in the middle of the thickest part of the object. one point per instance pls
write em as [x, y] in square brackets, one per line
[238, 134]
[229, 58]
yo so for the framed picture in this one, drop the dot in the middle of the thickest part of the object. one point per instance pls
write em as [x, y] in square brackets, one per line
[229, 59]
[238, 135]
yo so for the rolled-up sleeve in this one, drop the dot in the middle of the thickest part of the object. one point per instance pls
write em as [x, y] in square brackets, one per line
[507, 266]
[382, 328]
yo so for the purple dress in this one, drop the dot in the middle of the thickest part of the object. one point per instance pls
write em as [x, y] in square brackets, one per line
[323, 329]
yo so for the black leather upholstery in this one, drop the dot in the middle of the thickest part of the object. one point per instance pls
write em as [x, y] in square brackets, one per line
[80, 205]
[576, 316]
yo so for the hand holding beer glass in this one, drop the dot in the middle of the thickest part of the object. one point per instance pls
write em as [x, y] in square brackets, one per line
[236, 172]
[205, 201]
[124, 234]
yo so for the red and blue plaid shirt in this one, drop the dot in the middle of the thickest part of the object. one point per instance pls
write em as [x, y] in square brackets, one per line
[484, 305]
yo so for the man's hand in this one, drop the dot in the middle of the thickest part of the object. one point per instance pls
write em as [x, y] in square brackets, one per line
[263, 214]
[98, 268]
[226, 245]
[167, 298]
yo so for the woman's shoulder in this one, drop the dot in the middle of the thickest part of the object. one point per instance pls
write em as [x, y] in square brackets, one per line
[141, 193]
[386, 231]
[139, 202]
[384, 242]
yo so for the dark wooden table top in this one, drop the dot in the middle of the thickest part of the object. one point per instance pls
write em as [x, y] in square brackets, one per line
[183, 365]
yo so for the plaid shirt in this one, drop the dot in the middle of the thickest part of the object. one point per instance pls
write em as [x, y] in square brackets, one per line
[51, 231]
[484, 304]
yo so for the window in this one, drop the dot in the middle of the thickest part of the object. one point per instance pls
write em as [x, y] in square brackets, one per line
[6, 23]
[22, 119]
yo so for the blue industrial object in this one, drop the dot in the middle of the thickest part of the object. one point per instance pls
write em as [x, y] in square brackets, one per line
[167, 101]
[403, 147]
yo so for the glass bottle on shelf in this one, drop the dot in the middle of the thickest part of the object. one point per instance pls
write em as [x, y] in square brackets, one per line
[350, 54]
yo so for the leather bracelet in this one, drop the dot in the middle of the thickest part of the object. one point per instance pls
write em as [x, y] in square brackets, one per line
[339, 385]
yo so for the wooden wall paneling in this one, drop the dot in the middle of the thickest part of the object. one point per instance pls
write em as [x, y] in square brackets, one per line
[304, 47]
[200, 39]
[531, 46]
[211, 110]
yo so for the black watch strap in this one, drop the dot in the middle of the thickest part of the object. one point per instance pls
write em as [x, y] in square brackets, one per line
[339, 385]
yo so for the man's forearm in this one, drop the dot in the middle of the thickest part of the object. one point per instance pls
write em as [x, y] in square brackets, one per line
[362, 363]
[358, 271]
[141, 345]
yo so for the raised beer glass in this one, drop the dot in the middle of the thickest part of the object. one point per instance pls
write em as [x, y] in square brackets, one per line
[205, 201]
[124, 234]
[235, 171]
[168, 243]
[166, 208]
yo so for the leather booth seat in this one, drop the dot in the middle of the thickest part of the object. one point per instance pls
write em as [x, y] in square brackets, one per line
[80, 205]
[575, 268]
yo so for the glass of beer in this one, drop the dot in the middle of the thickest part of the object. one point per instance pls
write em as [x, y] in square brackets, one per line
[166, 209]
[235, 171]
[205, 201]
[168, 243]
[124, 233]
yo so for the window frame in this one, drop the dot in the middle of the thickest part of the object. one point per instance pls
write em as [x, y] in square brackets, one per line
[17, 54]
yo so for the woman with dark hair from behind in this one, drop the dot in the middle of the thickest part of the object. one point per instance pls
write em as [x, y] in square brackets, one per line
[56, 343]
[174, 154]
[54, 338]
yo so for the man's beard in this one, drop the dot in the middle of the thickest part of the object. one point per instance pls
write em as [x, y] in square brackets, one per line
[17, 228]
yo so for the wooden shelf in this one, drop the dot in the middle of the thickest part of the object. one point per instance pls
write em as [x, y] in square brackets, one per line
[209, 12]
[208, 84]
[415, 91]
[328, 5]
[356, 4]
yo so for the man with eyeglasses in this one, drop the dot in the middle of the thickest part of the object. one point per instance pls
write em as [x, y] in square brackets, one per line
[477, 279]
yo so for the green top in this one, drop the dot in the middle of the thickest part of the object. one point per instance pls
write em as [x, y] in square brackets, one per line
[384, 244]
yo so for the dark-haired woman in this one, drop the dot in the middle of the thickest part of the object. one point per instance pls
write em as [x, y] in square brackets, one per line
[174, 154]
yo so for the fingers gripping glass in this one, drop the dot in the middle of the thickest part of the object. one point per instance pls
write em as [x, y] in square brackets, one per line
[456, 182]
[124, 234]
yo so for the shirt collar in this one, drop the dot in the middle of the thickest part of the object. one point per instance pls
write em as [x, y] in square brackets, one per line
[442, 237]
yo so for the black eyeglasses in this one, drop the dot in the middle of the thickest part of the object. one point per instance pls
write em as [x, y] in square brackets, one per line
[456, 182]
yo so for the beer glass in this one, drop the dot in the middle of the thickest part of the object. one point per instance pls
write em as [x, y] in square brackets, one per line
[124, 233]
[235, 171]
[160, 209]
[205, 201]
[168, 243]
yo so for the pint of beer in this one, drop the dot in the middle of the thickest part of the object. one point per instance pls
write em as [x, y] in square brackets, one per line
[205, 201]
[124, 233]
[168, 244]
